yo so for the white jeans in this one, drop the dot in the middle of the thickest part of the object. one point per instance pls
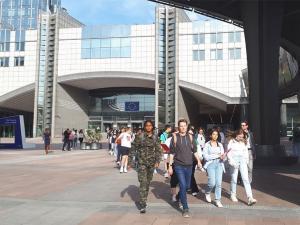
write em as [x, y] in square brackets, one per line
[241, 165]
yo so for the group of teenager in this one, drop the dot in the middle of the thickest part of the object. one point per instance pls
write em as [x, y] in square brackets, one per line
[183, 151]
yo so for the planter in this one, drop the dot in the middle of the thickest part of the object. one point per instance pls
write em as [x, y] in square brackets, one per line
[83, 146]
[95, 146]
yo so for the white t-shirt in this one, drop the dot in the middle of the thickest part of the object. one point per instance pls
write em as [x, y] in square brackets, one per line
[125, 140]
[201, 140]
[237, 148]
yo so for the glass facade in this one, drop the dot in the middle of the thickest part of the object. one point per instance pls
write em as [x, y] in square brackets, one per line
[23, 14]
[100, 42]
[106, 107]
[199, 55]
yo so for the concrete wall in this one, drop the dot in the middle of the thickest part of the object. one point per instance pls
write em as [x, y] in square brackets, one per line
[188, 107]
[71, 108]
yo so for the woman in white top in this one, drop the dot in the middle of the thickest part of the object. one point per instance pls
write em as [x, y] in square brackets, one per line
[200, 142]
[238, 158]
[213, 154]
[126, 140]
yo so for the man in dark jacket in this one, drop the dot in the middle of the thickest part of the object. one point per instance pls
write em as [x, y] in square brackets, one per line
[183, 148]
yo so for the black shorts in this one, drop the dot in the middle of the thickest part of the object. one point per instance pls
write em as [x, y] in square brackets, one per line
[174, 180]
[124, 150]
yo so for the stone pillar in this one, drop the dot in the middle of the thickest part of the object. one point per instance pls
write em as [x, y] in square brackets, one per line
[283, 120]
[262, 28]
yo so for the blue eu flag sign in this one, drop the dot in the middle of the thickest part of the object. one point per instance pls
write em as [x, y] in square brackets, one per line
[132, 106]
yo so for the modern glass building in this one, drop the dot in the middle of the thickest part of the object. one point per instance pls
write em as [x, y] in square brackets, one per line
[76, 76]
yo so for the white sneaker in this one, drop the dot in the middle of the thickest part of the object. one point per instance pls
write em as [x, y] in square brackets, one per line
[155, 171]
[194, 193]
[166, 175]
[174, 198]
[125, 170]
[233, 198]
[251, 201]
[121, 169]
[219, 204]
[208, 198]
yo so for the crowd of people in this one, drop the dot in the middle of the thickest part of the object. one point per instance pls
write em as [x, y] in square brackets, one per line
[182, 150]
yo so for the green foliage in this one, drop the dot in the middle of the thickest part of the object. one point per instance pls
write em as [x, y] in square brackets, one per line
[93, 135]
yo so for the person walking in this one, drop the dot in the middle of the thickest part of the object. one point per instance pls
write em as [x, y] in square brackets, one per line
[183, 147]
[47, 140]
[66, 139]
[251, 148]
[80, 136]
[125, 148]
[238, 158]
[146, 147]
[163, 138]
[213, 154]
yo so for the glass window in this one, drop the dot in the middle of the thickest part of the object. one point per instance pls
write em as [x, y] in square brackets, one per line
[219, 37]
[219, 54]
[125, 42]
[95, 53]
[105, 53]
[231, 53]
[213, 38]
[115, 52]
[20, 46]
[19, 61]
[195, 39]
[212, 54]
[195, 55]
[201, 38]
[237, 53]
[115, 42]
[105, 43]
[198, 55]
[126, 52]
[86, 43]
[230, 37]
[86, 53]
[238, 36]
[95, 43]
[4, 61]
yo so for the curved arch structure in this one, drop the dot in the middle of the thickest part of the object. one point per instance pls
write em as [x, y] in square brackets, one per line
[97, 80]
[103, 79]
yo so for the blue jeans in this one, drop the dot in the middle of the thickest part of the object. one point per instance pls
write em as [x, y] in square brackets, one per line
[184, 174]
[242, 167]
[215, 173]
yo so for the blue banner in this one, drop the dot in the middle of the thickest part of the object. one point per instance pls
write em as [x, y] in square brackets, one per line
[132, 106]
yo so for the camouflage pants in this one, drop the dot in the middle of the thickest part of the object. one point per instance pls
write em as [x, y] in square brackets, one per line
[145, 175]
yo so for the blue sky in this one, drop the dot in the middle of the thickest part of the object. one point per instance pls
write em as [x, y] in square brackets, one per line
[91, 12]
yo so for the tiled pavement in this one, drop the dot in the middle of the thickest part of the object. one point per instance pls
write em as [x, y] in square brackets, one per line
[83, 187]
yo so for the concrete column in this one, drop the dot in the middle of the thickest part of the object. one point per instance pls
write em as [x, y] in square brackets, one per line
[283, 116]
[262, 28]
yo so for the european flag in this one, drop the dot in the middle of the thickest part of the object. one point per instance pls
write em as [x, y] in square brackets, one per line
[132, 106]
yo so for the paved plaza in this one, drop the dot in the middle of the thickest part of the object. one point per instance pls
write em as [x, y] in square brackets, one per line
[85, 188]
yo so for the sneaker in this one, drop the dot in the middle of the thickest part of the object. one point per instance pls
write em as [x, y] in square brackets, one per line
[251, 201]
[166, 175]
[143, 210]
[233, 198]
[219, 204]
[121, 169]
[208, 198]
[155, 171]
[186, 213]
[118, 163]
[174, 199]
[180, 205]
[125, 170]
[194, 193]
